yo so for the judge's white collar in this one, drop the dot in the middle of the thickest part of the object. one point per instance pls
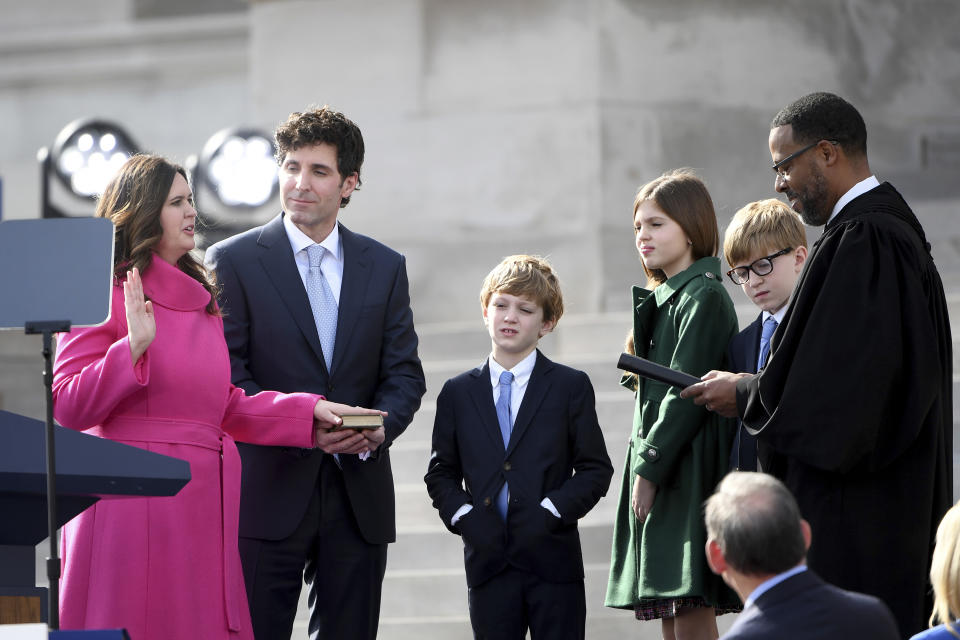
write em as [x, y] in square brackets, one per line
[856, 190]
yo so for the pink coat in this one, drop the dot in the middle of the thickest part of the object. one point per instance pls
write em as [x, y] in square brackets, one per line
[165, 568]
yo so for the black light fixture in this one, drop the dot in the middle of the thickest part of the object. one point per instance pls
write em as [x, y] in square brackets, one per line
[84, 156]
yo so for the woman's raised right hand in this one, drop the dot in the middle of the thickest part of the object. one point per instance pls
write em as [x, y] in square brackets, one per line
[141, 324]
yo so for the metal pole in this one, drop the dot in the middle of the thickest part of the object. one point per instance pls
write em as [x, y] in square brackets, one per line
[47, 329]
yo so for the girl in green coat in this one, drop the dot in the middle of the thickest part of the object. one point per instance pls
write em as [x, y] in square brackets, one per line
[678, 451]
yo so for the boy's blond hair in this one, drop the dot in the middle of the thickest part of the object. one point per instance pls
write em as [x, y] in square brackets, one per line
[762, 227]
[527, 276]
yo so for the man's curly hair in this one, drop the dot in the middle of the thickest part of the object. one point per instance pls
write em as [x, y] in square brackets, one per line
[319, 126]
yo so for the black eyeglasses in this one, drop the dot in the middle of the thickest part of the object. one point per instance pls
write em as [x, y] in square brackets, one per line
[761, 267]
[781, 170]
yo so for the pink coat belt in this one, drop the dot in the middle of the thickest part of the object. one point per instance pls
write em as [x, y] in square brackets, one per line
[207, 436]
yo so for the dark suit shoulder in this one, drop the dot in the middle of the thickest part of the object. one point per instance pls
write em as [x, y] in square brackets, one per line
[367, 243]
[805, 607]
[748, 333]
[467, 377]
[241, 242]
[564, 373]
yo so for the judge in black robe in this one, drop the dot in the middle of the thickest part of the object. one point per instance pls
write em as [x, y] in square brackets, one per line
[853, 410]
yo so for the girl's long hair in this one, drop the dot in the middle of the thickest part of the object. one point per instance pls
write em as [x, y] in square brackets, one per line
[681, 195]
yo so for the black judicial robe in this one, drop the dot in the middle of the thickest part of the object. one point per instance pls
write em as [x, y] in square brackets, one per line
[853, 411]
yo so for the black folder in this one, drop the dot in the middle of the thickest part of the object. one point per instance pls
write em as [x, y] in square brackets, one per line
[654, 371]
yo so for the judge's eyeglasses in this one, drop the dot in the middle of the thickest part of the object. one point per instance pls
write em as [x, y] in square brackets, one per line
[761, 267]
[782, 168]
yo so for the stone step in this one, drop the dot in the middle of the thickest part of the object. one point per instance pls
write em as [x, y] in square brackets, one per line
[425, 592]
[416, 514]
[433, 547]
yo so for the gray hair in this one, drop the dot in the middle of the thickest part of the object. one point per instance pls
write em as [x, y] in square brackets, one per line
[756, 522]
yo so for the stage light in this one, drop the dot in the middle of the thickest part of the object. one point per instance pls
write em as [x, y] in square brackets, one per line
[87, 153]
[234, 182]
[238, 167]
[84, 156]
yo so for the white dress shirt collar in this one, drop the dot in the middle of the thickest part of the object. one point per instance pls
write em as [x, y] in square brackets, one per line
[332, 263]
[856, 190]
[521, 371]
[300, 241]
[778, 316]
[763, 587]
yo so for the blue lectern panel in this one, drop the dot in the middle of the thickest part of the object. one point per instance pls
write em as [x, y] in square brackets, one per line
[55, 270]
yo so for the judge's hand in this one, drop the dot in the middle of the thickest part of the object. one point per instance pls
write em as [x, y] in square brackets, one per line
[644, 493]
[141, 324]
[717, 391]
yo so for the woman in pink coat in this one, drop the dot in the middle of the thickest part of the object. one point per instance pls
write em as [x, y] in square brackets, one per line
[156, 375]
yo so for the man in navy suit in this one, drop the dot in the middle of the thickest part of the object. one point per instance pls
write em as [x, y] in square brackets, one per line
[766, 246]
[518, 457]
[757, 541]
[311, 306]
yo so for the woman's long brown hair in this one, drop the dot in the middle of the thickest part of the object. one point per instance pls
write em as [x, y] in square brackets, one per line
[133, 201]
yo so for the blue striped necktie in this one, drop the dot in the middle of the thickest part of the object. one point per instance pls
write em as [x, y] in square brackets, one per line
[769, 326]
[506, 426]
[323, 304]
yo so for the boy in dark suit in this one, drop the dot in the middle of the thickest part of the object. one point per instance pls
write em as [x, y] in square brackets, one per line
[518, 457]
[766, 246]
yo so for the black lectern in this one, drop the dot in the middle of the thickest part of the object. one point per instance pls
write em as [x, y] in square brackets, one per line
[88, 468]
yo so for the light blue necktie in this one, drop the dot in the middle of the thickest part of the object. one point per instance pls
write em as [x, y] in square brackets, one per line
[769, 326]
[506, 426]
[323, 304]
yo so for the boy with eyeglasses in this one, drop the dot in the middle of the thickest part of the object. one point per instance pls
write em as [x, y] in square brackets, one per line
[766, 246]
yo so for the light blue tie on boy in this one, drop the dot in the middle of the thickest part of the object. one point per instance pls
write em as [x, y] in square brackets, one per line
[506, 426]
[769, 326]
[323, 304]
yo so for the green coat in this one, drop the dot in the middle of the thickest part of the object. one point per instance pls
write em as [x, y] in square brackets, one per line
[685, 323]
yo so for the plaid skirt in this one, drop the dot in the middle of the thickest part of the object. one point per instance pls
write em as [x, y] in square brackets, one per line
[656, 608]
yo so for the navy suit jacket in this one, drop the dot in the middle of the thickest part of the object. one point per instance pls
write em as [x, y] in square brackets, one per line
[742, 354]
[804, 607]
[274, 345]
[555, 434]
